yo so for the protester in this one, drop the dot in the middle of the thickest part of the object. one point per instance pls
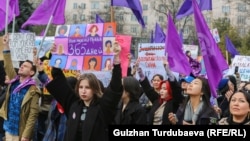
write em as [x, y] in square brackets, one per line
[88, 111]
[196, 110]
[167, 100]
[239, 107]
[130, 111]
[20, 108]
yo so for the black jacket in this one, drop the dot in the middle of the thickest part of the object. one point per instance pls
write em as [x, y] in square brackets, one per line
[100, 113]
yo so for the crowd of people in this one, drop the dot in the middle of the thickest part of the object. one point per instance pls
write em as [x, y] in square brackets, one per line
[81, 108]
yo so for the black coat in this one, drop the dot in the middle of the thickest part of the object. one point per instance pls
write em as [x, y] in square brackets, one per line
[134, 113]
[100, 113]
[204, 118]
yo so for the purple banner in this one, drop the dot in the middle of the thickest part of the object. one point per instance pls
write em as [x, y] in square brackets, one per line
[85, 46]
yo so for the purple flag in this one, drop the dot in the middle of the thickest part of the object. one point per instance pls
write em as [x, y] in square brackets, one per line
[98, 19]
[46, 9]
[187, 9]
[152, 37]
[177, 60]
[134, 5]
[230, 47]
[214, 61]
[13, 10]
[24, 31]
[159, 34]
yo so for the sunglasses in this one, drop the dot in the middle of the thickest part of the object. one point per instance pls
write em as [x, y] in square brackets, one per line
[84, 111]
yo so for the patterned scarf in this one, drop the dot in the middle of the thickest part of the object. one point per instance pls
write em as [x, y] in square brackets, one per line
[27, 82]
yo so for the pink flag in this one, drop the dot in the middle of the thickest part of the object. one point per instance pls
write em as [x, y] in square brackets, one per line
[125, 42]
[46, 9]
[13, 11]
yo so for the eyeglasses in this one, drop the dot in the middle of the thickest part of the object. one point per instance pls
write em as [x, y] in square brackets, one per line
[84, 111]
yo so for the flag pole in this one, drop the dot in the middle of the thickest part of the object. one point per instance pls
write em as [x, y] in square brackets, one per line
[112, 13]
[47, 28]
[13, 23]
[6, 16]
[227, 57]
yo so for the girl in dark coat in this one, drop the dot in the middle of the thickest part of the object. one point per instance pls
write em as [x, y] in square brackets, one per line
[162, 105]
[89, 112]
[196, 110]
[130, 111]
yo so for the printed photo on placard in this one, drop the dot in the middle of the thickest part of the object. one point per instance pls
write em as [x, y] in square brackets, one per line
[108, 45]
[77, 31]
[74, 63]
[109, 29]
[107, 63]
[62, 31]
[92, 63]
[94, 30]
[61, 46]
[58, 61]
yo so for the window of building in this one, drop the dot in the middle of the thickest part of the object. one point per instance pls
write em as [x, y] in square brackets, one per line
[119, 28]
[83, 5]
[241, 7]
[208, 20]
[186, 30]
[145, 18]
[74, 5]
[161, 19]
[133, 18]
[242, 31]
[241, 20]
[82, 17]
[162, 7]
[145, 7]
[225, 9]
[74, 17]
[133, 29]
[95, 5]
[119, 17]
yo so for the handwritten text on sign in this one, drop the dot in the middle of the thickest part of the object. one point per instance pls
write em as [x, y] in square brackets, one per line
[85, 46]
[243, 62]
[21, 46]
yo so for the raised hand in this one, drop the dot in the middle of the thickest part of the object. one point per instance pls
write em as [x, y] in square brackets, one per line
[117, 48]
[6, 39]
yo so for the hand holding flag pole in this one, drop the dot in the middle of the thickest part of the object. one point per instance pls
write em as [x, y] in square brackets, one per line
[47, 28]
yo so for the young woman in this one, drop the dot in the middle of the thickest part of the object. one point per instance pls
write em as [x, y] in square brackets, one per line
[130, 110]
[196, 109]
[239, 107]
[165, 96]
[88, 110]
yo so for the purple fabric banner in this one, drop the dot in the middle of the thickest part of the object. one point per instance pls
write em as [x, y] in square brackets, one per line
[177, 60]
[98, 19]
[13, 11]
[45, 10]
[230, 47]
[187, 9]
[214, 63]
[134, 5]
[159, 34]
